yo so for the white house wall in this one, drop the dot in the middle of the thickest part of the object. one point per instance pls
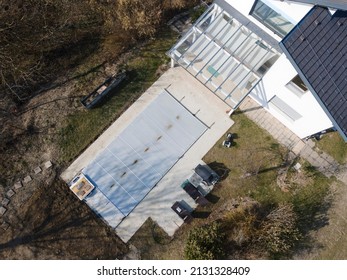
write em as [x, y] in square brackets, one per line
[274, 82]
[313, 118]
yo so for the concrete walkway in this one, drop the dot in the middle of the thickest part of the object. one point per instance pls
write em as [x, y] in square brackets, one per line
[322, 161]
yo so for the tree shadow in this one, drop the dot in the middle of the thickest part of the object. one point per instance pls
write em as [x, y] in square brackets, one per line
[239, 112]
[67, 224]
[268, 169]
[57, 62]
[44, 233]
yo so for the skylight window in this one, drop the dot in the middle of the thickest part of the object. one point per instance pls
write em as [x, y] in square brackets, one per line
[271, 19]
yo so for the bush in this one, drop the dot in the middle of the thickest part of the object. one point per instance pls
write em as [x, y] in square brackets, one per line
[198, 12]
[205, 243]
[279, 233]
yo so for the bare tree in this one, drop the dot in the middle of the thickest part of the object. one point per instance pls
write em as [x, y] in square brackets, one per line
[35, 33]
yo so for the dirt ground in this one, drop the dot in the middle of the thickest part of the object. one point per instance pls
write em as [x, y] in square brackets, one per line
[45, 220]
[331, 240]
[52, 224]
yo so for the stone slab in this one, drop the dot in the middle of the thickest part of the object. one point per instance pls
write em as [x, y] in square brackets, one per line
[298, 147]
[27, 179]
[5, 226]
[10, 193]
[18, 185]
[5, 201]
[48, 164]
[37, 170]
[2, 210]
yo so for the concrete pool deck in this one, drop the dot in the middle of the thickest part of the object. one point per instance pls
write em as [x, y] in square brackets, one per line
[157, 204]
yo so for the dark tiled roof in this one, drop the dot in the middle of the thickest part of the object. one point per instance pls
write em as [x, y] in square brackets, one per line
[336, 4]
[317, 48]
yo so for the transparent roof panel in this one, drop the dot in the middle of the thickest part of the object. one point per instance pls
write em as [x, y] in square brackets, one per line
[224, 55]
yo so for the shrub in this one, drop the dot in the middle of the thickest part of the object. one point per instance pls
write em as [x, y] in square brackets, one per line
[279, 232]
[205, 243]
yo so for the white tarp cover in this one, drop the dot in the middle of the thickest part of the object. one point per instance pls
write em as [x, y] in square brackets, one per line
[126, 170]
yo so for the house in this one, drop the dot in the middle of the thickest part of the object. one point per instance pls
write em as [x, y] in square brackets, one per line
[283, 54]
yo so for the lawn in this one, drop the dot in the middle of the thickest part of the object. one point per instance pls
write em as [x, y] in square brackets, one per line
[84, 126]
[333, 144]
[251, 167]
[253, 161]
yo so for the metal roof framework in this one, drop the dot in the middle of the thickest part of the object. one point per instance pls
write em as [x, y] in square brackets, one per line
[317, 48]
[224, 54]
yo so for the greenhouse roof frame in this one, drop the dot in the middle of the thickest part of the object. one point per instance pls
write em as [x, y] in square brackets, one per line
[225, 53]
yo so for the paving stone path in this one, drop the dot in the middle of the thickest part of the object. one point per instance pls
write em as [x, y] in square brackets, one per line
[6, 199]
[322, 161]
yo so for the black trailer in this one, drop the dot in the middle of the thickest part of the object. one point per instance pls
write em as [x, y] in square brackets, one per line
[96, 96]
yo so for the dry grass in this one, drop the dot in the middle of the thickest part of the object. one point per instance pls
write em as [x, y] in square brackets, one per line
[331, 240]
[253, 163]
[333, 144]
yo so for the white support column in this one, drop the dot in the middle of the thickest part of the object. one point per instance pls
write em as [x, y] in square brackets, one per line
[172, 63]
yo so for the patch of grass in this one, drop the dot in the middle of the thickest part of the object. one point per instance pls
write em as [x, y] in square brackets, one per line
[311, 200]
[331, 239]
[333, 144]
[149, 240]
[83, 127]
[253, 163]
